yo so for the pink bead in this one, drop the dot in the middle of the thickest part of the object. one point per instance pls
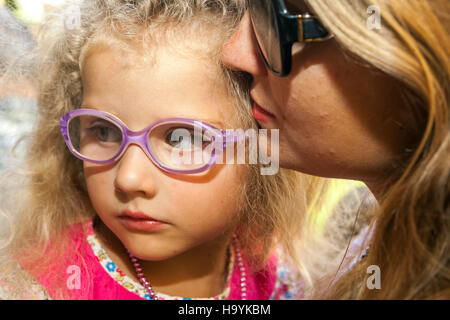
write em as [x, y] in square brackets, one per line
[153, 296]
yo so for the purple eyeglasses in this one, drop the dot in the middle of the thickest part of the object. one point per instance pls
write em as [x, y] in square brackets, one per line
[175, 145]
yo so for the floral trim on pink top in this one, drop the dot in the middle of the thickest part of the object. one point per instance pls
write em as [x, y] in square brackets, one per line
[135, 287]
[99, 278]
[289, 284]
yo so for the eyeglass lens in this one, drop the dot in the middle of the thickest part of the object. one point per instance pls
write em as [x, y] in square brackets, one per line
[175, 145]
[265, 24]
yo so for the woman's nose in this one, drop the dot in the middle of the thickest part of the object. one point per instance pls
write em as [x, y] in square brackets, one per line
[241, 52]
[135, 175]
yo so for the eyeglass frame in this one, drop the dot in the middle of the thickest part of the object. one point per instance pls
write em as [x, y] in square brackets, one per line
[292, 28]
[140, 138]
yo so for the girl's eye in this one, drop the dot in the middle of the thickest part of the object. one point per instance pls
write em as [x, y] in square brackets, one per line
[184, 138]
[105, 133]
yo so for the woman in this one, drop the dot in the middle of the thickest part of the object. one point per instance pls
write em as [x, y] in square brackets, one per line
[365, 99]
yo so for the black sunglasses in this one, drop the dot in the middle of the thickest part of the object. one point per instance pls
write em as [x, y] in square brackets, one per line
[277, 30]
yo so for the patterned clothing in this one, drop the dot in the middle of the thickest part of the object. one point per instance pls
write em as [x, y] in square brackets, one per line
[93, 275]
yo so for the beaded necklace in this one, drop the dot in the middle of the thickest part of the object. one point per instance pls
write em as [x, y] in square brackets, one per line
[153, 295]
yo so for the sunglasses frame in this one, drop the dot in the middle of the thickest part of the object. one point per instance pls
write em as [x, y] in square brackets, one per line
[292, 28]
[140, 138]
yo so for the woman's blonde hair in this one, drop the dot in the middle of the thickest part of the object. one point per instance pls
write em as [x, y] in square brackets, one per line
[411, 238]
[53, 195]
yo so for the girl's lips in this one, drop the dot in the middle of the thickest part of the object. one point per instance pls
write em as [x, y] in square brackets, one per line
[142, 225]
[260, 114]
[140, 222]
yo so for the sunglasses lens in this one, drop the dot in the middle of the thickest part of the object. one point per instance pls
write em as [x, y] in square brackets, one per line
[265, 24]
[182, 146]
[95, 138]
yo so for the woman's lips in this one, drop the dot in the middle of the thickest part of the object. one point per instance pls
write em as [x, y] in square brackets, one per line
[140, 221]
[260, 114]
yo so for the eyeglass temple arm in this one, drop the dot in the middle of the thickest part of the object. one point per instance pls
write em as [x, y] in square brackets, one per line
[231, 137]
[63, 125]
[310, 29]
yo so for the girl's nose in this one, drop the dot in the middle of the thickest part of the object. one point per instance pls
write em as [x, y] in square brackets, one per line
[241, 52]
[135, 174]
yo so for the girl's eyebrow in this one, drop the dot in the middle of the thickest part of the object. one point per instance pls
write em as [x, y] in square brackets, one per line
[217, 123]
[87, 106]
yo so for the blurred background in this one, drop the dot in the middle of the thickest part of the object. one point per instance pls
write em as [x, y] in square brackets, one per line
[31, 11]
[18, 21]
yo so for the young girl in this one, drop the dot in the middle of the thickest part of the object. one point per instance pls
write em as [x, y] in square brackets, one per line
[103, 219]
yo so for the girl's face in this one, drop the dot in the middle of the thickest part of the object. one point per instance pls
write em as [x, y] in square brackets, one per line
[190, 210]
[336, 118]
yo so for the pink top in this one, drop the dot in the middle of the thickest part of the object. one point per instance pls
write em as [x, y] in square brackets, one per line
[87, 278]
